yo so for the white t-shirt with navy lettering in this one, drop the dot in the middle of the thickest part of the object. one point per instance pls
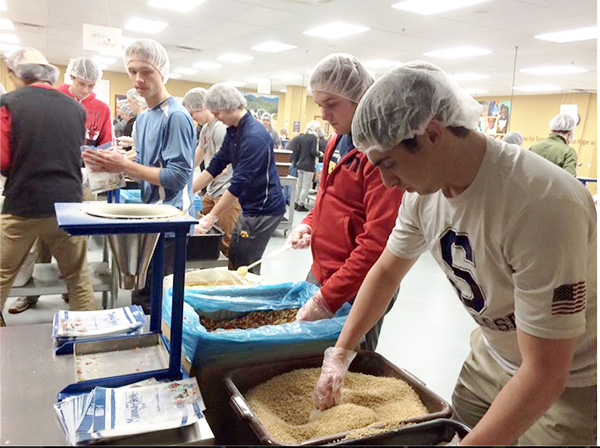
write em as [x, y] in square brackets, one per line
[519, 247]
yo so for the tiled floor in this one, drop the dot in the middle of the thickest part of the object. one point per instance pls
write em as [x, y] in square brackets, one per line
[426, 332]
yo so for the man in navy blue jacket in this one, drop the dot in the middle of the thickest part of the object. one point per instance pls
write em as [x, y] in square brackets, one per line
[255, 182]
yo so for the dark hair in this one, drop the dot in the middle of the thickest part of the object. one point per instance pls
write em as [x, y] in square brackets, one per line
[412, 146]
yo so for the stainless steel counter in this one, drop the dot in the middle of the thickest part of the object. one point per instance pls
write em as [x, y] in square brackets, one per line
[30, 377]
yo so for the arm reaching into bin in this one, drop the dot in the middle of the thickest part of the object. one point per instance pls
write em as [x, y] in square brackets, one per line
[328, 391]
[371, 302]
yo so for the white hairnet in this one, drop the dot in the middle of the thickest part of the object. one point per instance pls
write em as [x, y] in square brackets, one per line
[514, 137]
[266, 116]
[403, 101]
[563, 123]
[133, 95]
[222, 96]
[194, 99]
[30, 65]
[312, 127]
[84, 68]
[341, 74]
[150, 51]
[126, 109]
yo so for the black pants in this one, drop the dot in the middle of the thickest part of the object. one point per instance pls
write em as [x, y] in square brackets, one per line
[249, 239]
[142, 296]
[372, 337]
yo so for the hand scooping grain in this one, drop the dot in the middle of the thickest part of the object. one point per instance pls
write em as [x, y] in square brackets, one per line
[328, 391]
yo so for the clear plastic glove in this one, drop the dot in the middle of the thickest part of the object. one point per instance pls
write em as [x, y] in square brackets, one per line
[315, 309]
[328, 391]
[205, 224]
[125, 141]
[300, 237]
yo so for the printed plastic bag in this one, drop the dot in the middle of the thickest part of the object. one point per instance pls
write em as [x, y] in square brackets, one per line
[101, 182]
[259, 344]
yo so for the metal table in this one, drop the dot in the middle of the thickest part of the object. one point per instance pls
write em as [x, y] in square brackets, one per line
[287, 221]
[31, 374]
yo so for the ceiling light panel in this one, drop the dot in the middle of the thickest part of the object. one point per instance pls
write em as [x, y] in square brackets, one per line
[336, 30]
[235, 58]
[429, 7]
[381, 63]
[145, 25]
[6, 24]
[570, 35]
[538, 88]
[469, 76]
[556, 70]
[9, 48]
[2, 5]
[205, 65]
[175, 5]
[459, 52]
[185, 71]
[273, 47]
[174, 75]
[9, 38]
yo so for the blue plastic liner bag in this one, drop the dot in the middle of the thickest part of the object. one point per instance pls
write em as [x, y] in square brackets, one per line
[201, 347]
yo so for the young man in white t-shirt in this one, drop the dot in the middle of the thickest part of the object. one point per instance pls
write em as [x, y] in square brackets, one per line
[516, 237]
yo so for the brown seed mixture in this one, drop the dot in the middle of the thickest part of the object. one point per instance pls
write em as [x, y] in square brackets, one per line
[284, 403]
[255, 319]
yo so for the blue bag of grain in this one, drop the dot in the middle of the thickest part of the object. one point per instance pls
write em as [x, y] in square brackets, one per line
[201, 347]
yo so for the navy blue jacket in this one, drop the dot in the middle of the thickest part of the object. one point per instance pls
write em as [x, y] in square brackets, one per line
[255, 182]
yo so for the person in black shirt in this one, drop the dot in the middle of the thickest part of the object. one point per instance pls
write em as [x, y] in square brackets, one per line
[305, 151]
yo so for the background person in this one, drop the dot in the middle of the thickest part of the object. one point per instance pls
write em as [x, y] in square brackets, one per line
[525, 269]
[305, 153]
[351, 193]
[248, 147]
[266, 119]
[32, 188]
[556, 147]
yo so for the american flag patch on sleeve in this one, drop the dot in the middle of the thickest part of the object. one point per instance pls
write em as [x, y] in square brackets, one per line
[569, 299]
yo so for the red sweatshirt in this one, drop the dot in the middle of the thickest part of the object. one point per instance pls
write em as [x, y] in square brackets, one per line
[353, 217]
[98, 124]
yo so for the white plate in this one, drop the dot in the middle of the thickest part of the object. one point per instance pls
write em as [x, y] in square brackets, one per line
[129, 211]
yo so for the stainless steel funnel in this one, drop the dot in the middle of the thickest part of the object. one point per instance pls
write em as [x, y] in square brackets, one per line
[133, 252]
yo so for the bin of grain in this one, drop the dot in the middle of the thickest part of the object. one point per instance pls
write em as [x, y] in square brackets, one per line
[380, 399]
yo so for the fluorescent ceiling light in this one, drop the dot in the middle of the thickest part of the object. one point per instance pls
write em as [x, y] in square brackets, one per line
[428, 7]
[174, 75]
[6, 24]
[538, 88]
[475, 91]
[283, 90]
[185, 71]
[236, 83]
[335, 30]
[104, 60]
[381, 63]
[235, 58]
[175, 5]
[9, 48]
[459, 52]
[556, 70]
[273, 47]
[145, 25]
[202, 65]
[9, 38]
[287, 77]
[469, 76]
[570, 35]
[2, 5]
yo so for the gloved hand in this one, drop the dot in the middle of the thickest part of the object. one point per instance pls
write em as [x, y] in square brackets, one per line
[300, 237]
[328, 391]
[315, 309]
[205, 224]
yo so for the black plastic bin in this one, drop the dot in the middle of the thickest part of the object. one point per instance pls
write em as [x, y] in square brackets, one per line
[239, 381]
[205, 247]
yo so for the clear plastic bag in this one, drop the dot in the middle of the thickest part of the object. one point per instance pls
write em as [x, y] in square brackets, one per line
[101, 182]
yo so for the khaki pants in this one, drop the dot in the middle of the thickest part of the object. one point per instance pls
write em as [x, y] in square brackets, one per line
[18, 236]
[570, 421]
[226, 221]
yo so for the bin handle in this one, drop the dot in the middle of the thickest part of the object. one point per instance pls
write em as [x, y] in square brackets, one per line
[240, 407]
[413, 377]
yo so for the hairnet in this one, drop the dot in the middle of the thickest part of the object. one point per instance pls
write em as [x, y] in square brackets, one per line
[222, 96]
[30, 65]
[126, 109]
[312, 127]
[84, 68]
[514, 137]
[133, 95]
[150, 51]
[403, 101]
[563, 123]
[341, 74]
[194, 99]
[266, 115]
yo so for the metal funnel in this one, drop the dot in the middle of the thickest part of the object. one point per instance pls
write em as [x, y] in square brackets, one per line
[133, 252]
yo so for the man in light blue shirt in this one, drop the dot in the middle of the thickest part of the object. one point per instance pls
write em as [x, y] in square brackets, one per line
[165, 141]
